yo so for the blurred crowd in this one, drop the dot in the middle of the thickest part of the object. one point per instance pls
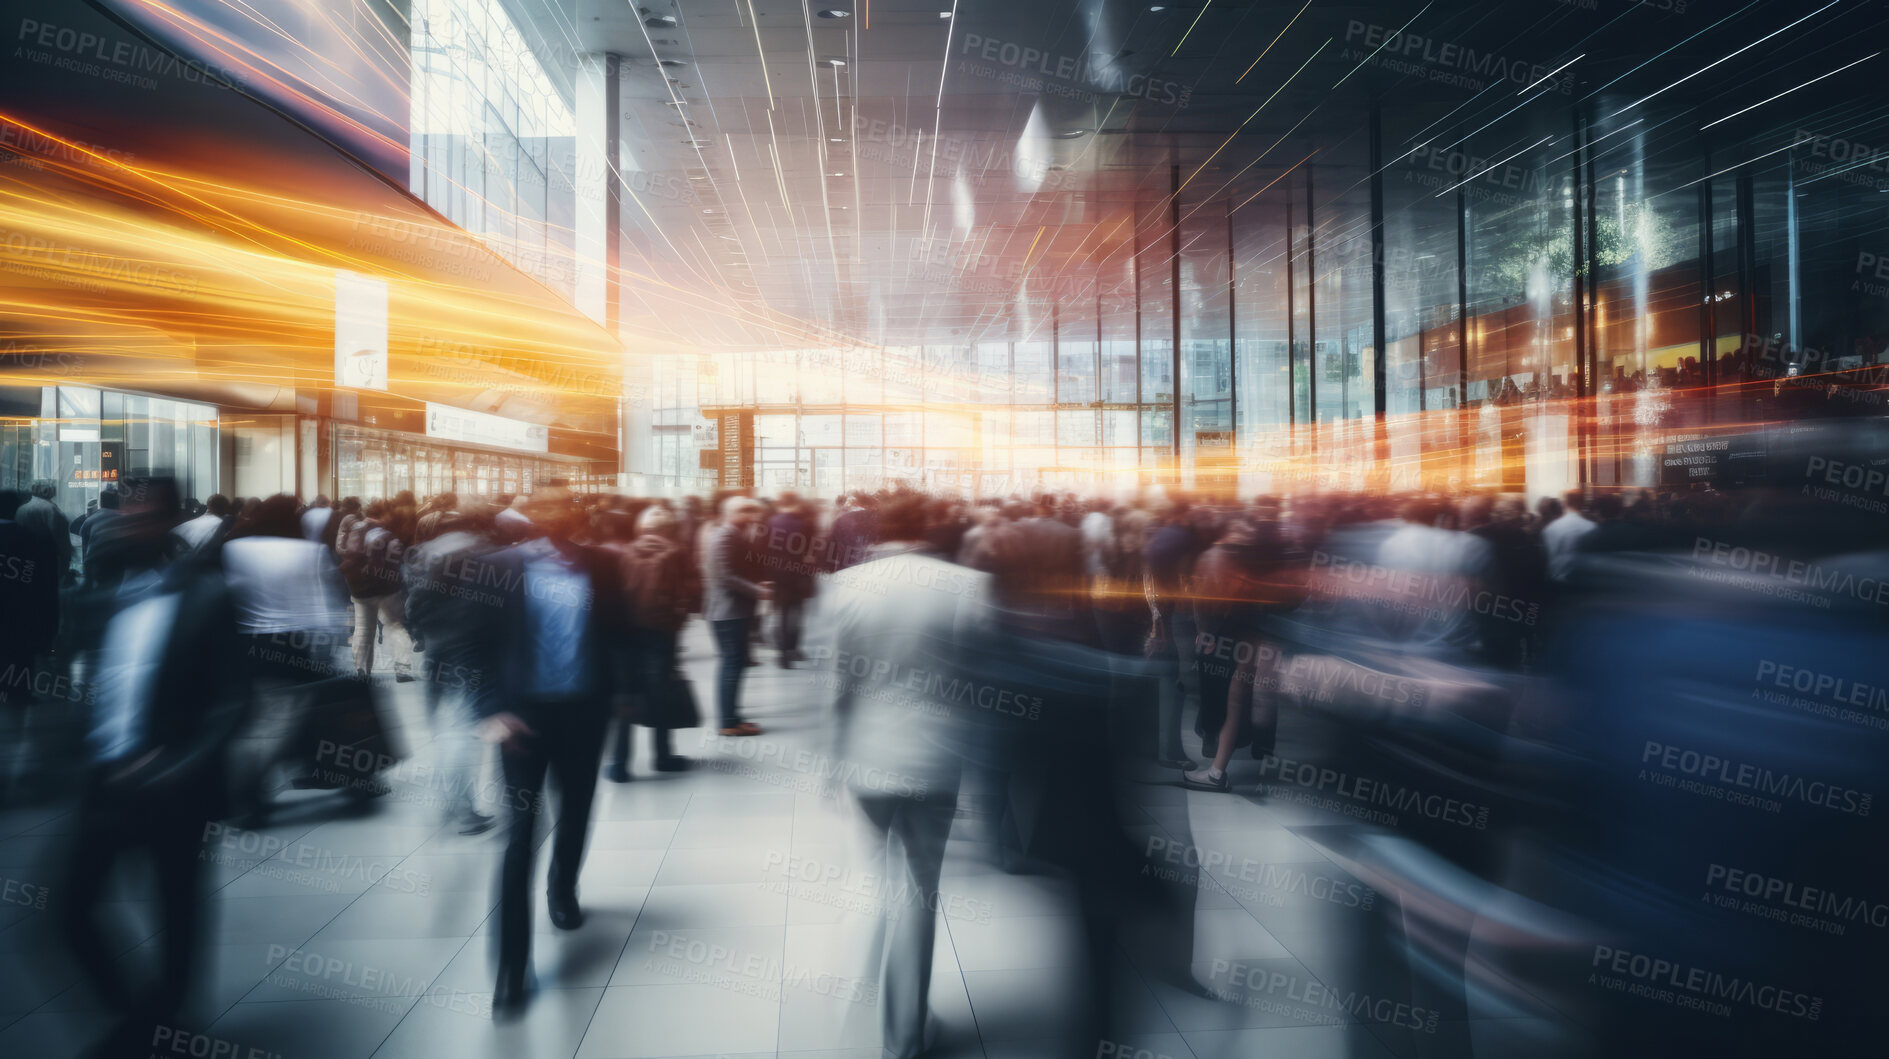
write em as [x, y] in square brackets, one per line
[1042, 653]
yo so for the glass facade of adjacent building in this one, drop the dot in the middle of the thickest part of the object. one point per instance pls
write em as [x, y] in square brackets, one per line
[1462, 320]
[493, 143]
[85, 440]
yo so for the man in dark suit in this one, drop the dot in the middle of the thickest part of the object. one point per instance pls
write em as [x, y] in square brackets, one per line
[733, 586]
[559, 612]
[168, 698]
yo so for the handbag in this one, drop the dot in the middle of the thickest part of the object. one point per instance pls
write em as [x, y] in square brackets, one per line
[346, 734]
[676, 706]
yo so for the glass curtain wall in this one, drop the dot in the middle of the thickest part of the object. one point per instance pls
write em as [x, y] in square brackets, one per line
[86, 440]
[493, 142]
[1551, 317]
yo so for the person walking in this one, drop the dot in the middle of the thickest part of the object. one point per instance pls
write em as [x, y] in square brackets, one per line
[656, 573]
[41, 514]
[903, 610]
[733, 588]
[170, 695]
[445, 612]
[559, 616]
[789, 550]
[370, 560]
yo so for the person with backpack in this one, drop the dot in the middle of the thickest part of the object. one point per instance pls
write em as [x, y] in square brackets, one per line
[657, 595]
[371, 555]
[446, 611]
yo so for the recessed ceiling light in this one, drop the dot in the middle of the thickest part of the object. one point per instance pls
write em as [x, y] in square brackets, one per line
[836, 174]
[660, 22]
[836, 139]
[670, 62]
[697, 143]
[1072, 134]
[834, 12]
[842, 207]
[708, 211]
[836, 62]
[1157, 9]
[944, 14]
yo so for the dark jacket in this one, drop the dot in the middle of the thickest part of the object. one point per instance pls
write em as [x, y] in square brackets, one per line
[447, 606]
[729, 573]
[44, 517]
[513, 649]
[656, 583]
[790, 551]
[853, 533]
[29, 592]
[197, 700]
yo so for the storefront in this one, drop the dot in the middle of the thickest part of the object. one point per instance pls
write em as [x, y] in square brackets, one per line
[468, 453]
[85, 439]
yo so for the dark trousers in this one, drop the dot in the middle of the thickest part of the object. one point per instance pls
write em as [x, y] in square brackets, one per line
[648, 658]
[568, 745]
[170, 830]
[791, 619]
[731, 643]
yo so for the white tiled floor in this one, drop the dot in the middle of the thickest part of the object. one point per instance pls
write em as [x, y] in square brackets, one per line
[369, 935]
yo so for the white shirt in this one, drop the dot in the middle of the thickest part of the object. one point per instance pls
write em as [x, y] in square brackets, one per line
[1098, 534]
[1562, 541]
[314, 520]
[198, 530]
[128, 666]
[281, 584]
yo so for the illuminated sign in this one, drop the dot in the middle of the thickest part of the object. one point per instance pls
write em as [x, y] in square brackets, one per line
[482, 428]
[360, 331]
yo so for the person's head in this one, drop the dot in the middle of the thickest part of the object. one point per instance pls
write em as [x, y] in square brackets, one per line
[218, 505]
[740, 510]
[274, 517]
[903, 519]
[658, 520]
[552, 510]
[321, 500]
[108, 499]
[446, 502]
[376, 511]
[1547, 509]
[1606, 507]
[350, 505]
[1509, 510]
[149, 495]
[788, 501]
[1475, 511]
[1572, 500]
[1015, 510]
[44, 489]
